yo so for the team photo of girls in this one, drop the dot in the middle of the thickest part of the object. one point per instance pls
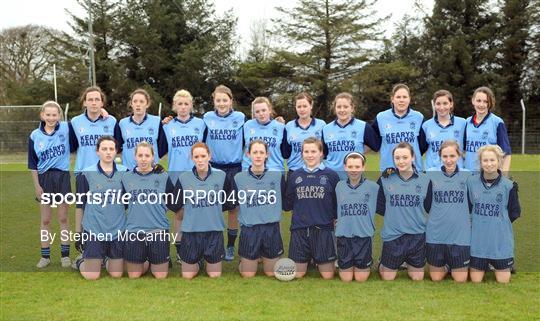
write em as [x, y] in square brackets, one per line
[443, 216]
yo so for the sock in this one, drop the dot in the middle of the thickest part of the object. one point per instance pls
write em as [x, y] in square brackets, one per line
[78, 263]
[46, 252]
[64, 249]
[231, 237]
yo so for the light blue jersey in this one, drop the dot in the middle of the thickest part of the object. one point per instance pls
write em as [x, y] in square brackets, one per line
[405, 205]
[296, 135]
[356, 206]
[225, 136]
[340, 140]
[494, 208]
[393, 130]
[84, 134]
[491, 131]
[203, 214]
[145, 190]
[449, 220]
[180, 137]
[49, 151]
[133, 133]
[259, 197]
[109, 215]
[436, 134]
[273, 134]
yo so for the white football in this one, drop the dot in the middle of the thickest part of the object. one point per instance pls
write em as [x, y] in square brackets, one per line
[285, 269]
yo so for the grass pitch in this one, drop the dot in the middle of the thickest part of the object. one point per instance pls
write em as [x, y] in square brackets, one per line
[60, 294]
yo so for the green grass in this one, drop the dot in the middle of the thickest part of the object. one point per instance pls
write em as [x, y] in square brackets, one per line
[57, 294]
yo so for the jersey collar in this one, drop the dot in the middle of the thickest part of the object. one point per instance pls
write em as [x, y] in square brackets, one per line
[183, 122]
[347, 124]
[439, 124]
[414, 175]
[226, 115]
[103, 172]
[266, 124]
[297, 123]
[485, 183]
[194, 170]
[100, 117]
[133, 120]
[483, 120]
[443, 169]
[396, 115]
[259, 177]
[316, 169]
[42, 128]
[362, 179]
[142, 174]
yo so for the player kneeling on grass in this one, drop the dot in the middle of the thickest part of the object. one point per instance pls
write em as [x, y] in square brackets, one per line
[356, 206]
[48, 161]
[404, 198]
[204, 191]
[102, 220]
[258, 192]
[312, 198]
[448, 230]
[147, 244]
[495, 206]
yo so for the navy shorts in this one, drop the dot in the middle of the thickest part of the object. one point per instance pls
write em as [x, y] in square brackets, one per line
[154, 248]
[481, 264]
[408, 248]
[55, 181]
[354, 251]
[202, 245]
[95, 249]
[455, 256]
[230, 171]
[261, 240]
[312, 243]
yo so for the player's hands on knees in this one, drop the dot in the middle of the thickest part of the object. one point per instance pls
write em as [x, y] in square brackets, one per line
[280, 119]
[387, 172]
[158, 169]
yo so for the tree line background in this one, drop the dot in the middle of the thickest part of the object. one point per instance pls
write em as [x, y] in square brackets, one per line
[320, 46]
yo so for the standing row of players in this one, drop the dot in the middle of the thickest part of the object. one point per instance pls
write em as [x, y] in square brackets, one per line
[226, 132]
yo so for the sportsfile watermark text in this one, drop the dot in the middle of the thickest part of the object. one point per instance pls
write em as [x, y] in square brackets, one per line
[119, 197]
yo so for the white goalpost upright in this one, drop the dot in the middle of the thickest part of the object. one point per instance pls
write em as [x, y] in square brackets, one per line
[523, 118]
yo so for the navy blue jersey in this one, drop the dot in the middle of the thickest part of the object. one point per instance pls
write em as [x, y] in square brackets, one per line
[494, 208]
[404, 204]
[259, 197]
[83, 136]
[131, 134]
[296, 135]
[106, 215]
[393, 130]
[203, 213]
[491, 131]
[225, 136]
[436, 134]
[449, 220]
[339, 140]
[180, 137]
[311, 195]
[145, 190]
[274, 135]
[49, 151]
[356, 207]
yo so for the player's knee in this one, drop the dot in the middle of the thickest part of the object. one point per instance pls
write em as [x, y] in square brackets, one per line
[345, 277]
[504, 279]
[361, 278]
[116, 275]
[90, 275]
[45, 222]
[417, 276]
[134, 274]
[189, 275]
[215, 274]
[247, 275]
[300, 274]
[327, 275]
[269, 273]
[388, 276]
[436, 277]
[159, 275]
[63, 220]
